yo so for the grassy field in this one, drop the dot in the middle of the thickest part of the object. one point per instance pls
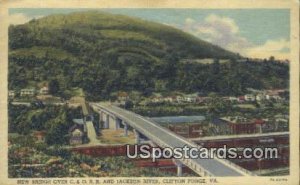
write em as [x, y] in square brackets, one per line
[246, 106]
[109, 136]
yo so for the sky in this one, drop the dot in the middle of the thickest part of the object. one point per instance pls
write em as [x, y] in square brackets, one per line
[255, 33]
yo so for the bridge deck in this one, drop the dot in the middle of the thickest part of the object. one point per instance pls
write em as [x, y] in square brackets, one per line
[150, 129]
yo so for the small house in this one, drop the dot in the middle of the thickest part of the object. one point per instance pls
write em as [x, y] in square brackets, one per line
[241, 99]
[233, 99]
[78, 132]
[249, 97]
[11, 94]
[44, 90]
[76, 137]
[259, 97]
[123, 96]
[190, 99]
[179, 99]
[168, 99]
[27, 92]
[40, 136]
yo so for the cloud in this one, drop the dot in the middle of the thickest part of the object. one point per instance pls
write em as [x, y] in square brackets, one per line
[224, 22]
[20, 18]
[279, 48]
[189, 20]
[224, 31]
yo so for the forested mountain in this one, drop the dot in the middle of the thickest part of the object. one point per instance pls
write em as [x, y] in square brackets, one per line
[103, 53]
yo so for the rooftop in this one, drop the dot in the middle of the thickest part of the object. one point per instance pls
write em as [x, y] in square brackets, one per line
[178, 119]
[78, 121]
[236, 119]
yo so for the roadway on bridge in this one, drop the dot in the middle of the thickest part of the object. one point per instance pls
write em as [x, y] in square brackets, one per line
[216, 167]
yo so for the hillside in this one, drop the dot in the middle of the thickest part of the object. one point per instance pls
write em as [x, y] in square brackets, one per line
[103, 53]
[111, 33]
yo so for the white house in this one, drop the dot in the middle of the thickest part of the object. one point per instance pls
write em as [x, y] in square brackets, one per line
[259, 97]
[11, 94]
[179, 99]
[190, 99]
[271, 96]
[44, 90]
[168, 99]
[27, 92]
[233, 99]
[76, 137]
[249, 97]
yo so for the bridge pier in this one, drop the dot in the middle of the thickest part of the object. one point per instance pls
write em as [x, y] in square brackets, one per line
[112, 122]
[179, 167]
[106, 121]
[118, 123]
[260, 129]
[100, 120]
[125, 128]
[137, 137]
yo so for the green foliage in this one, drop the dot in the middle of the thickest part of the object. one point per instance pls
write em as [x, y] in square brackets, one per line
[103, 53]
[128, 104]
[53, 87]
[217, 105]
[55, 119]
[35, 162]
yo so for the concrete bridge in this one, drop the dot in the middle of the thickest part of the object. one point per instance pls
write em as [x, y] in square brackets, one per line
[113, 117]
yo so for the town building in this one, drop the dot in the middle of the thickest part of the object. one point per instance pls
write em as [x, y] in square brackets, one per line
[237, 125]
[78, 132]
[187, 131]
[233, 99]
[260, 97]
[27, 92]
[39, 136]
[76, 137]
[44, 90]
[241, 125]
[168, 99]
[281, 122]
[11, 94]
[179, 99]
[220, 127]
[274, 94]
[249, 97]
[122, 96]
[241, 99]
[157, 99]
[190, 98]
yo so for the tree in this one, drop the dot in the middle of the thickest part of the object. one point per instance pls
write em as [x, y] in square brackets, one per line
[217, 105]
[216, 67]
[272, 59]
[54, 87]
[128, 104]
[56, 131]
